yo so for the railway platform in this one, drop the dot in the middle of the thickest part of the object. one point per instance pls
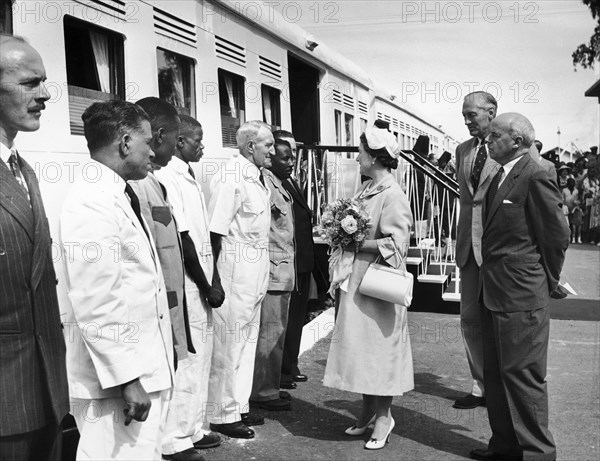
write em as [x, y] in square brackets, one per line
[427, 427]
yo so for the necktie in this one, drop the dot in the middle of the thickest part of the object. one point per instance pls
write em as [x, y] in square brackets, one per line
[16, 169]
[191, 172]
[494, 188]
[480, 159]
[135, 204]
[262, 179]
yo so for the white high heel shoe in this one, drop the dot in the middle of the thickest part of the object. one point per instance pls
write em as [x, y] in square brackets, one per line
[374, 444]
[353, 430]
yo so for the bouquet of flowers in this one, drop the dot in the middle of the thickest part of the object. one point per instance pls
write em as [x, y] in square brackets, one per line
[344, 222]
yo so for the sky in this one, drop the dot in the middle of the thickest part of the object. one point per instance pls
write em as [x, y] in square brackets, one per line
[431, 54]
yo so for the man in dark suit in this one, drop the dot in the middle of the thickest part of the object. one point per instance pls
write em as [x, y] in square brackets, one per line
[33, 381]
[474, 172]
[305, 263]
[525, 237]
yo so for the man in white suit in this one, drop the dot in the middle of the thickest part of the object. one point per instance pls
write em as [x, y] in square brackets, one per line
[119, 349]
[240, 217]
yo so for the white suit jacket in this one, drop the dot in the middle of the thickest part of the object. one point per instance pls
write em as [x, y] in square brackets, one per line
[118, 327]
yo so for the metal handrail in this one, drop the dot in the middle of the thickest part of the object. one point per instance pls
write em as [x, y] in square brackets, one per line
[422, 165]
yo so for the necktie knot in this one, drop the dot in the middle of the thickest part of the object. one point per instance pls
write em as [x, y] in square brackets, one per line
[191, 172]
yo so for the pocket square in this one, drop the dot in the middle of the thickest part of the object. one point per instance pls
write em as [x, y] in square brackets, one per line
[506, 201]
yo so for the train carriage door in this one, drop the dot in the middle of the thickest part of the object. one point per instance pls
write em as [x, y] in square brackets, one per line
[304, 100]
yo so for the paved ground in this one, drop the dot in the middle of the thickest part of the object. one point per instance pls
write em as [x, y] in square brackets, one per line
[581, 273]
[427, 427]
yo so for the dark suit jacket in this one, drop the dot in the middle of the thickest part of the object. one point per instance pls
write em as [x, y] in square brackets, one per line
[525, 237]
[33, 377]
[305, 247]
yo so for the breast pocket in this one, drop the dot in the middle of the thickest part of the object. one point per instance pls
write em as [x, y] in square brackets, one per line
[162, 215]
[253, 213]
[165, 233]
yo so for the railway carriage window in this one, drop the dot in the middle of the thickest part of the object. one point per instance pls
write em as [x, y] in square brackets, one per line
[271, 106]
[338, 127]
[233, 105]
[349, 122]
[363, 125]
[95, 68]
[6, 26]
[176, 80]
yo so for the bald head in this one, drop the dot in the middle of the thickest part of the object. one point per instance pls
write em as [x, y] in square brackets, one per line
[22, 89]
[511, 135]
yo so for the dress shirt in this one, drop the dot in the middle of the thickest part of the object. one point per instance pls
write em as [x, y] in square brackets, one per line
[509, 166]
[5, 153]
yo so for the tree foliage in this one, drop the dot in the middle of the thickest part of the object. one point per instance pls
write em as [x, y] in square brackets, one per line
[587, 53]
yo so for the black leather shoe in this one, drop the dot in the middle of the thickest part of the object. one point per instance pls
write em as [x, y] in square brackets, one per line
[285, 395]
[300, 378]
[272, 405]
[469, 401]
[191, 454]
[485, 455]
[250, 419]
[210, 440]
[237, 430]
[288, 385]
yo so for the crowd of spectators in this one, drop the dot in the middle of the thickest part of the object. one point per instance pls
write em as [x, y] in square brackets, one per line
[579, 184]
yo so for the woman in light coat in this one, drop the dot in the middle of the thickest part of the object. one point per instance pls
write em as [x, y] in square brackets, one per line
[370, 349]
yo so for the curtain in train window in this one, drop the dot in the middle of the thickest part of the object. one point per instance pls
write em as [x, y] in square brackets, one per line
[338, 127]
[95, 67]
[176, 80]
[349, 123]
[6, 17]
[233, 105]
[271, 106]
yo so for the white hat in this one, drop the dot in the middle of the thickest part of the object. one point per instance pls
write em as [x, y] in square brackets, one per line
[378, 138]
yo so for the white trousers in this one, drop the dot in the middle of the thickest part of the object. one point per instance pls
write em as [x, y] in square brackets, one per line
[186, 417]
[104, 436]
[236, 328]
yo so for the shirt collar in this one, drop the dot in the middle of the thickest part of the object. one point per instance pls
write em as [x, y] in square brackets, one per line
[5, 152]
[179, 165]
[110, 179]
[249, 170]
[509, 166]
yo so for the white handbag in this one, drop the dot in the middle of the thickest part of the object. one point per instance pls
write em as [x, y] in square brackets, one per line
[383, 282]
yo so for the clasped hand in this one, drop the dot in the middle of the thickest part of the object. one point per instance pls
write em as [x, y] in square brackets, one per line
[137, 401]
[215, 295]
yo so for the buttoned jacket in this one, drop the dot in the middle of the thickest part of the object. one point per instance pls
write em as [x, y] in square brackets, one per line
[118, 324]
[33, 378]
[470, 221]
[281, 236]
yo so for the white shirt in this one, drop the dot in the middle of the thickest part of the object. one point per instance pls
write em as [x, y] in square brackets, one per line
[509, 166]
[5, 153]
[239, 204]
[189, 209]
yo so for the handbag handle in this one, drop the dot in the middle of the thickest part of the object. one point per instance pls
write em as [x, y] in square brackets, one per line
[402, 263]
